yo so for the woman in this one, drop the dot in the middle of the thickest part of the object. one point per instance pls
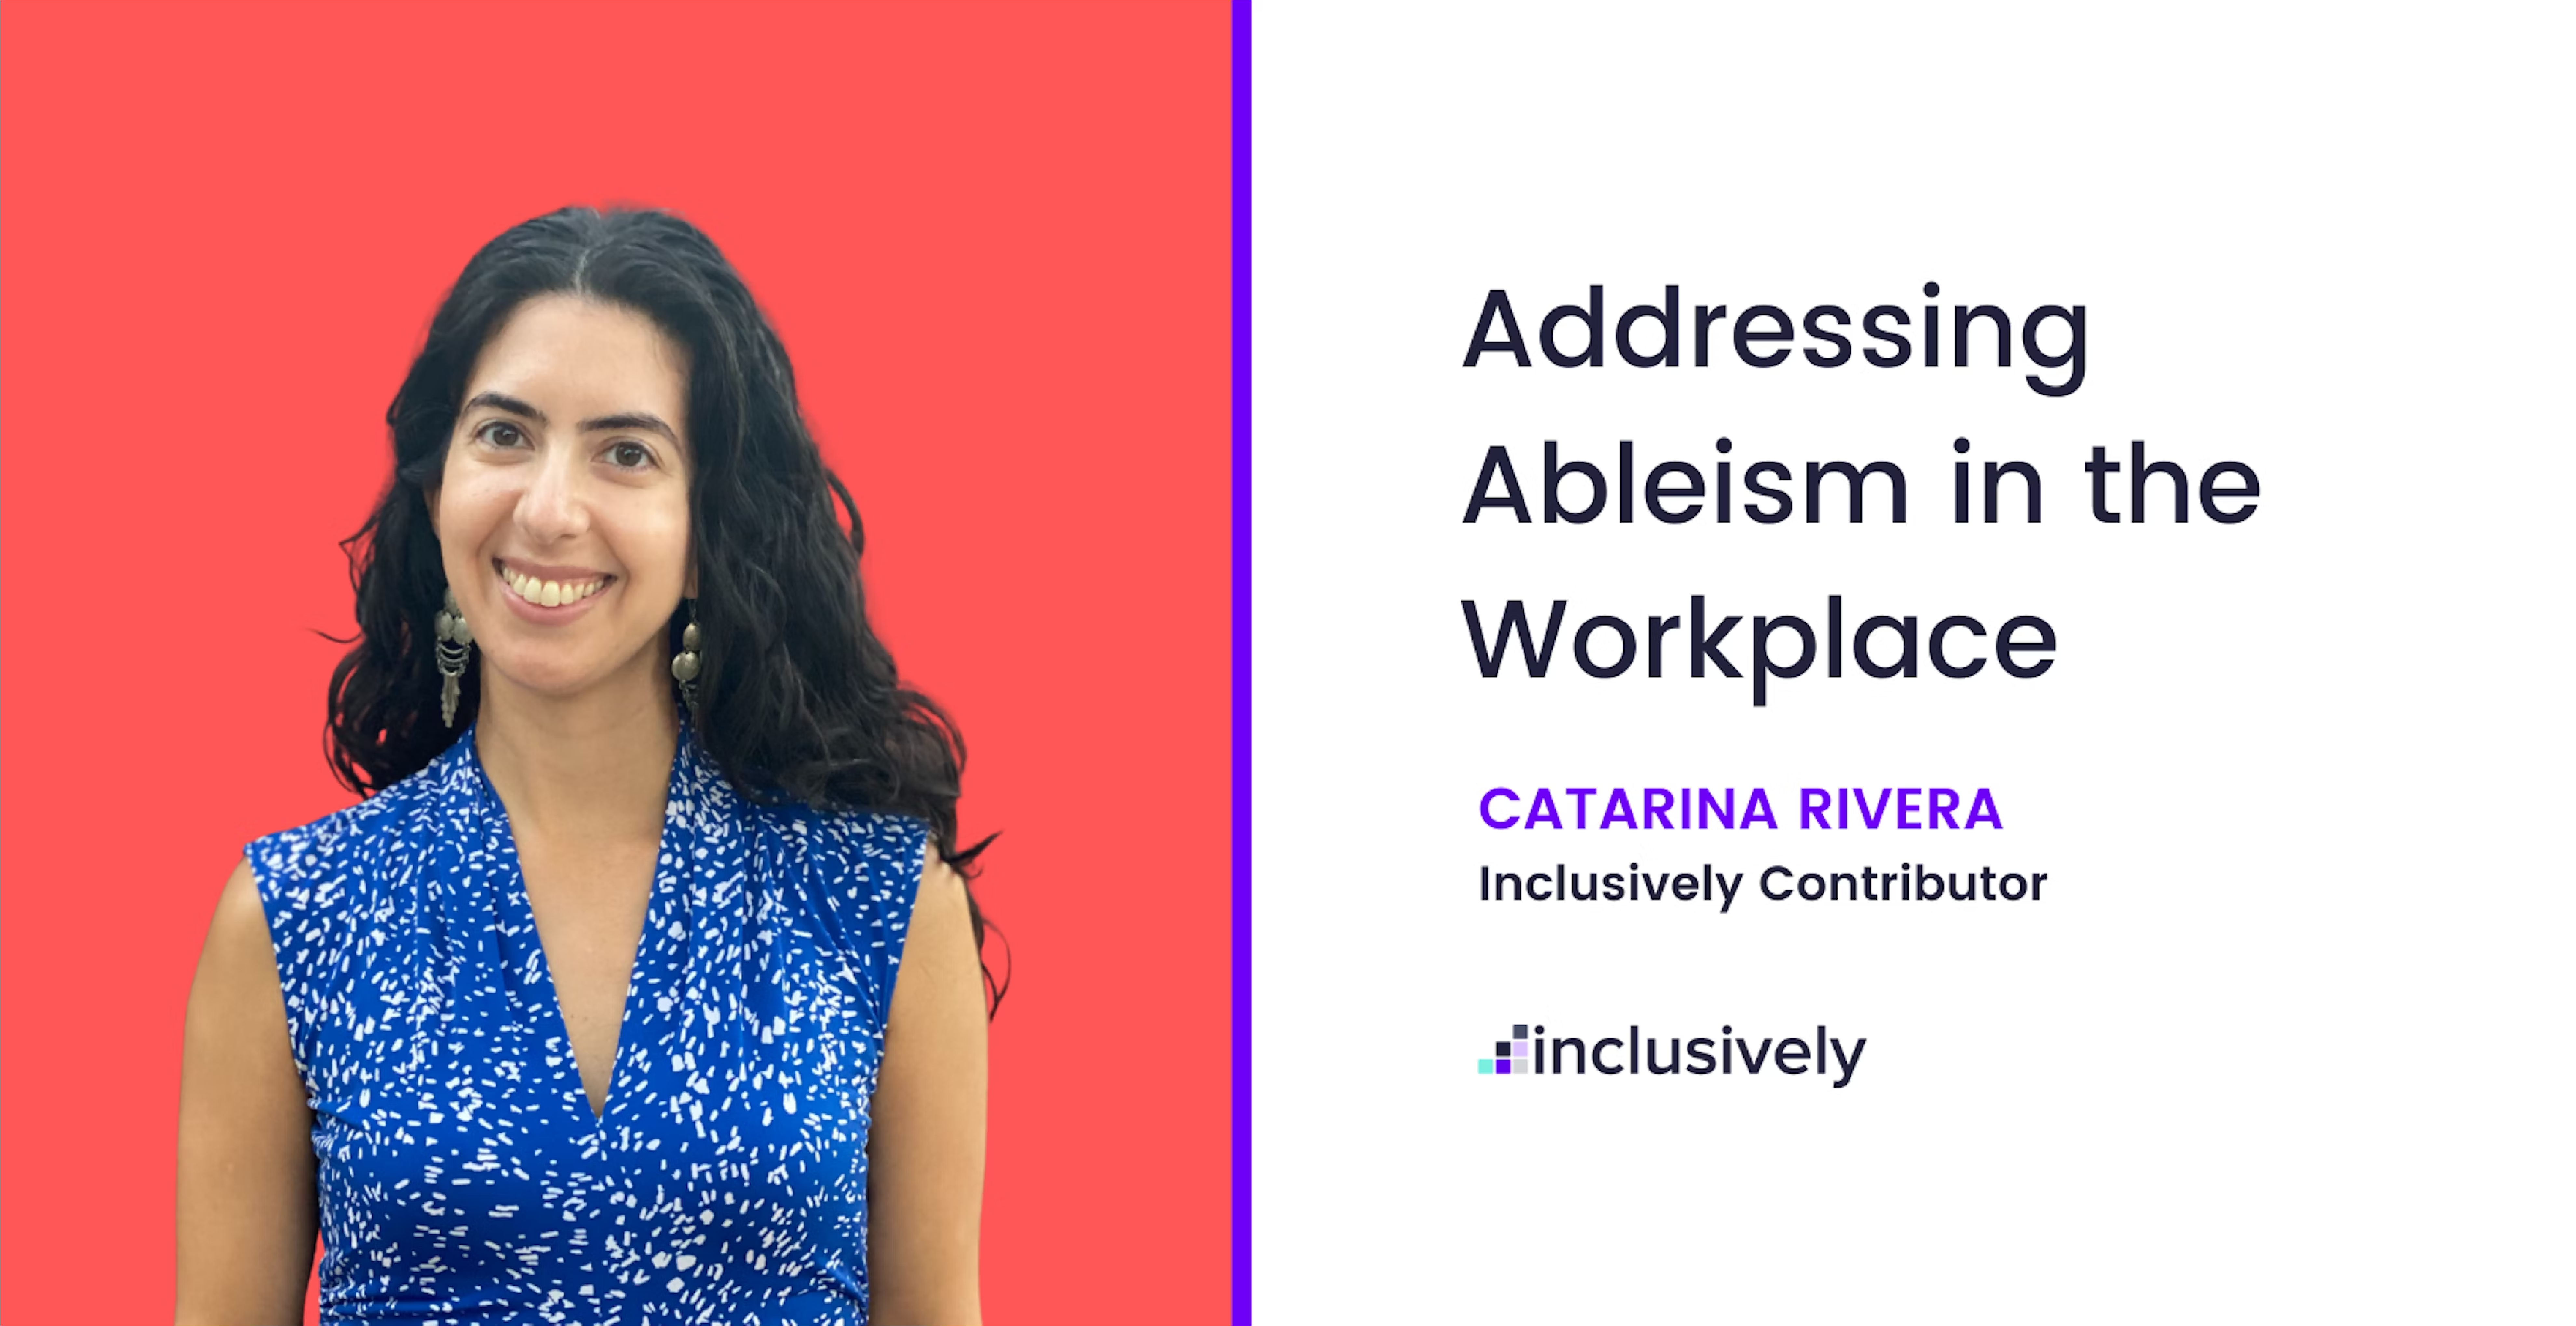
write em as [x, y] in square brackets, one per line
[614, 678]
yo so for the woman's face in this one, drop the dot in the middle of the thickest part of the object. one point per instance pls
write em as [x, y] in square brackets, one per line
[563, 511]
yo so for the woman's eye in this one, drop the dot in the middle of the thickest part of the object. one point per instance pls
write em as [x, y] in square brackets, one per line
[499, 434]
[630, 456]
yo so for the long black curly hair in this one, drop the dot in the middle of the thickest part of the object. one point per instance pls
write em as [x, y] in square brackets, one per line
[799, 700]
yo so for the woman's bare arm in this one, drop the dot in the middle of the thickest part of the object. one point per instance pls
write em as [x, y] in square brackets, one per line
[926, 1137]
[246, 1201]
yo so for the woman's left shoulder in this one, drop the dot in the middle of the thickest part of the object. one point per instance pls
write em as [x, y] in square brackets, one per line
[874, 838]
[860, 861]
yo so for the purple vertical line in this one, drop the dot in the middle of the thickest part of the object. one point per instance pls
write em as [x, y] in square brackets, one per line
[1242, 651]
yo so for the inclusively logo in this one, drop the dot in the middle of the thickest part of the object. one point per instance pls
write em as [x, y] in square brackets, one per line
[1531, 1052]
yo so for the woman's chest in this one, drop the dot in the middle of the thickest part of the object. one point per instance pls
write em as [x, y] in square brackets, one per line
[456, 1108]
[726, 1028]
[590, 933]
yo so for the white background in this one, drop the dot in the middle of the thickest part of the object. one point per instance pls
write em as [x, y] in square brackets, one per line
[2286, 1038]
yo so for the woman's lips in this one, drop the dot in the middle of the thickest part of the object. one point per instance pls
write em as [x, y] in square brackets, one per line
[549, 599]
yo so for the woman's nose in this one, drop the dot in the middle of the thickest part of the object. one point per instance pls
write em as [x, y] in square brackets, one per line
[554, 506]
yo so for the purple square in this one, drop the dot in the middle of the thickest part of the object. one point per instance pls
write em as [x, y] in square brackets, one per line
[1502, 1065]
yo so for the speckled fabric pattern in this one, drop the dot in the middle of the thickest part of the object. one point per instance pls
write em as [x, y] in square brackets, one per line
[461, 1174]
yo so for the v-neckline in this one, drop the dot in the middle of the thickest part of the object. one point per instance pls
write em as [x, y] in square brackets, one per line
[514, 891]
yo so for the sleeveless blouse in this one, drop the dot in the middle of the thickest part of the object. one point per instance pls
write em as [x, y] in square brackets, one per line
[461, 1175]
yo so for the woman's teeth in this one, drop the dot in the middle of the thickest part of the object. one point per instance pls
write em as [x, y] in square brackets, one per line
[551, 593]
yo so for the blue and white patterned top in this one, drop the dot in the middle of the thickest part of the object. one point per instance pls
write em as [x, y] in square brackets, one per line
[461, 1173]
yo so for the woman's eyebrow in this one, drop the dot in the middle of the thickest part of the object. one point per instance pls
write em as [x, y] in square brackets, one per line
[513, 405]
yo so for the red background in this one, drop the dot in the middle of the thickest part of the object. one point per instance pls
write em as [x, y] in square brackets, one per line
[995, 240]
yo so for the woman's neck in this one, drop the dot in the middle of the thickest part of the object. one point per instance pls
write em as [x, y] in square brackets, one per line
[590, 767]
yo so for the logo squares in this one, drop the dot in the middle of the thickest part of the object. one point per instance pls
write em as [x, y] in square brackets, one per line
[1511, 1056]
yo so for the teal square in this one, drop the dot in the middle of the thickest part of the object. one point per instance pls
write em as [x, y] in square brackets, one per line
[1485, 1066]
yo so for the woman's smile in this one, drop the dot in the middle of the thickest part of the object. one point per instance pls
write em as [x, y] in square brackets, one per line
[549, 594]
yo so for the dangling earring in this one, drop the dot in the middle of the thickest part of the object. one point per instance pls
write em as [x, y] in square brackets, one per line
[685, 664]
[455, 645]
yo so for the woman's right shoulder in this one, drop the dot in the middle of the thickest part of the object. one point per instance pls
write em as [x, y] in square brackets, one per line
[241, 923]
[325, 864]
[309, 898]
